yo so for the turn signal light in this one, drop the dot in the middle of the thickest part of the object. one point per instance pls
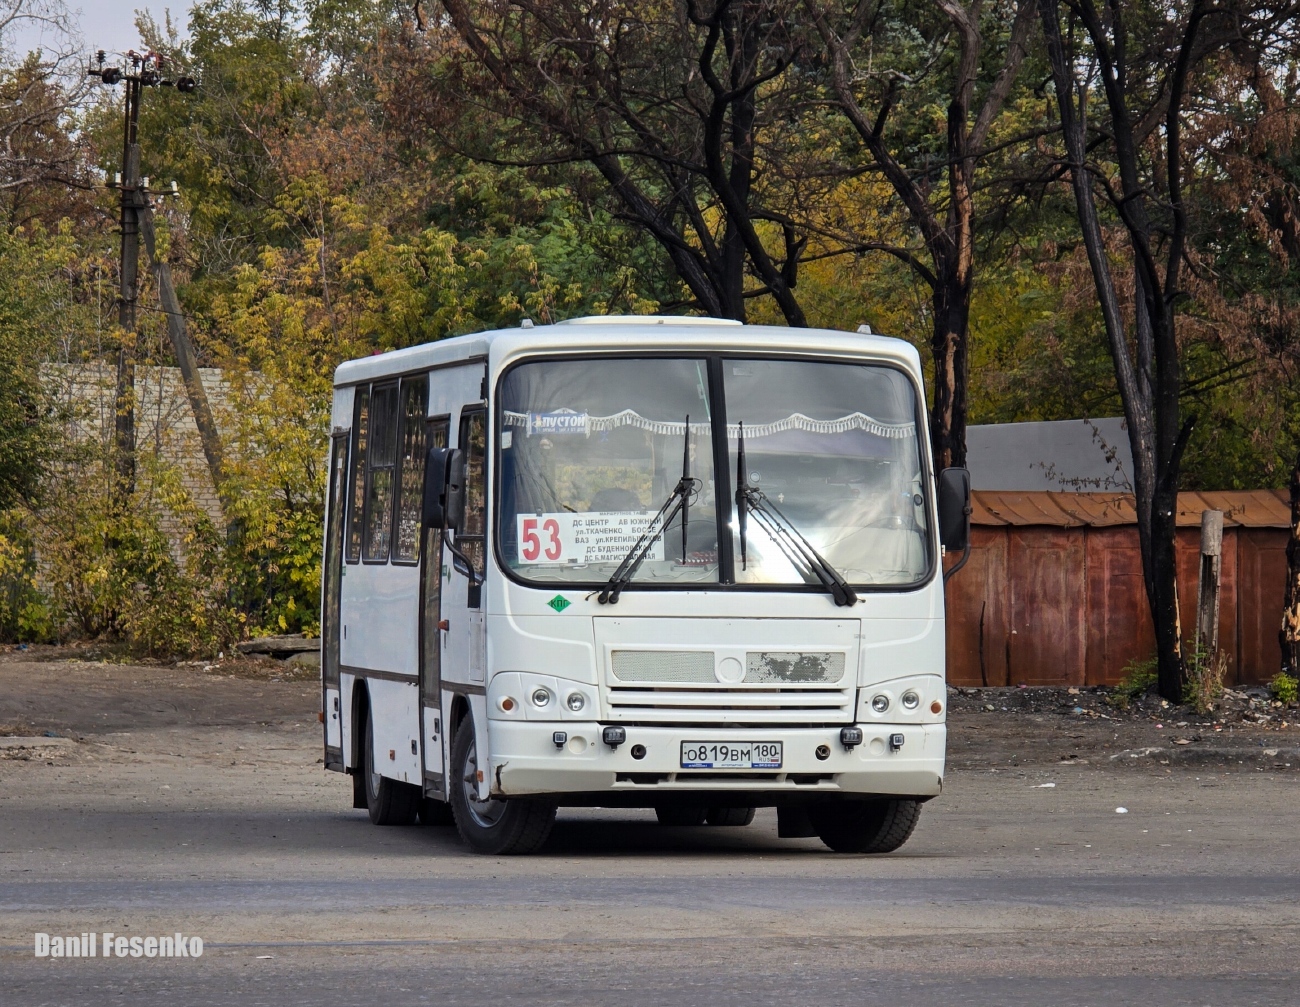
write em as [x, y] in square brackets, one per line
[506, 703]
[936, 707]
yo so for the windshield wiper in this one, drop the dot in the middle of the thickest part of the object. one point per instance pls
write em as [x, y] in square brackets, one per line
[678, 502]
[807, 561]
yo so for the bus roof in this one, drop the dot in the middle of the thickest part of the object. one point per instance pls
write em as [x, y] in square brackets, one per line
[651, 332]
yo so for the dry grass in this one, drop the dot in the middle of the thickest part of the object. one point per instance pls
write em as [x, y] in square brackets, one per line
[1205, 675]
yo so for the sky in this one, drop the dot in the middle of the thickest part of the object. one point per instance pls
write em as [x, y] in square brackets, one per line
[106, 24]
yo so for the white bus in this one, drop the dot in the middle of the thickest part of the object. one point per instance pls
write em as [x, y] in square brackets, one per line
[668, 563]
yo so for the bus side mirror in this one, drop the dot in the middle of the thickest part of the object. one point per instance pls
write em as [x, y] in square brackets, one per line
[954, 509]
[443, 496]
[453, 498]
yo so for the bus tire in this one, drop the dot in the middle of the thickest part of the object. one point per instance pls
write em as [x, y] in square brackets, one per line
[681, 814]
[879, 826]
[730, 816]
[494, 827]
[389, 802]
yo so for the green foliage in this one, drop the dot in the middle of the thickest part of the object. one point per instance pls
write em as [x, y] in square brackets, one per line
[114, 572]
[1140, 677]
[322, 219]
[25, 615]
[32, 299]
[1285, 687]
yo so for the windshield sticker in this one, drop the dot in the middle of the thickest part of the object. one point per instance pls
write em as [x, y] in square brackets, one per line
[596, 537]
[558, 422]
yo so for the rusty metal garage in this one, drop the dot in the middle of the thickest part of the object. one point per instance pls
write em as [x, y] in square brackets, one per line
[1053, 591]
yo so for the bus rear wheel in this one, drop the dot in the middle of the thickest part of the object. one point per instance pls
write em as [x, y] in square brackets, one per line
[730, 816]
[389, 802]
[494, 827]
[880, 826]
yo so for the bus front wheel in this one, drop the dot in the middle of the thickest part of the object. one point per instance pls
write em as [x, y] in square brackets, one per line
[879, 826]
[493, 826]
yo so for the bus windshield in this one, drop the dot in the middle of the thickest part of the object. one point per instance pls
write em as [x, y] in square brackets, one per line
[589, 450]
[833, 448]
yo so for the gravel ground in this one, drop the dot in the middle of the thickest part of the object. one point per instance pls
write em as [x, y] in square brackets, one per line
[179, 798]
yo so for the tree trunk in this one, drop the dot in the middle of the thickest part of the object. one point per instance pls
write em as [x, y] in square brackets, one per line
[1290, 632]
[951, 303]
[1162, 594]
[1148, 391]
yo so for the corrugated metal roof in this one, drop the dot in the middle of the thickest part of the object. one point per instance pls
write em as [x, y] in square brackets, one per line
[1060, 456]
[1241, 509]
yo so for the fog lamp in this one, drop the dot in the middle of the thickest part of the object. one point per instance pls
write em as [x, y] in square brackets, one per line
[613, 736]
[911, 701]
[576, 701]
[880, 703]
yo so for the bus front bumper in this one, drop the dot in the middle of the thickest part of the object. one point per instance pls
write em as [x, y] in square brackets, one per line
[527, 761]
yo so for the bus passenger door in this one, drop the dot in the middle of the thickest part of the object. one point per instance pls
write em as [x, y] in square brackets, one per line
[432, 639]
[464, 657]
[332, 587]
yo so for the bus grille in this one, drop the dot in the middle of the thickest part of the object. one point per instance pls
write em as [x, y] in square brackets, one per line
[741, 704]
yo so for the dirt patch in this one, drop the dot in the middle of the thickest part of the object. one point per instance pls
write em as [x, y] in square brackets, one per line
[41, 694]
[1019, 726]
[53, 694]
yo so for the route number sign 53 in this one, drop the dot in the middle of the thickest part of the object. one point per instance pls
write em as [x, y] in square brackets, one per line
[578, 538]
[532, 532]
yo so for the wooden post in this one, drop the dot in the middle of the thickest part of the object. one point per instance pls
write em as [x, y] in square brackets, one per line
[209, 436]
[1207, 595]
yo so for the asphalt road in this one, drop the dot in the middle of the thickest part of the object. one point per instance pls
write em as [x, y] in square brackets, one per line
[1009, 893]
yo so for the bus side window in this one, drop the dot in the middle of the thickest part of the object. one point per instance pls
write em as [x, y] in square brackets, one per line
[357, 477]
[381, 460]
[473, 441]
[410, 475]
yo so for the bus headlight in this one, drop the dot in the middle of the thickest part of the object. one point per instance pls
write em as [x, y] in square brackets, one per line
[575, 701]
[911, 700]
[541, 697]
[880, 703]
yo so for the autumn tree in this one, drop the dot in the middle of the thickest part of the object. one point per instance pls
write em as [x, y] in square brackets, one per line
[889, 63]
[1244, 265]
[1125, 77]
[679, 108]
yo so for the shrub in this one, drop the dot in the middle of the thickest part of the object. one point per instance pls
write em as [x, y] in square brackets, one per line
[1140, 676]
[1285, 687]
[25, 613]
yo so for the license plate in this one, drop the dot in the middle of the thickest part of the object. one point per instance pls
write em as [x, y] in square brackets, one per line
[731, 755]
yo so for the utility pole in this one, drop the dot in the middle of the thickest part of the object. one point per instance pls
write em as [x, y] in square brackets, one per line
[138, 72]
[129, 288]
